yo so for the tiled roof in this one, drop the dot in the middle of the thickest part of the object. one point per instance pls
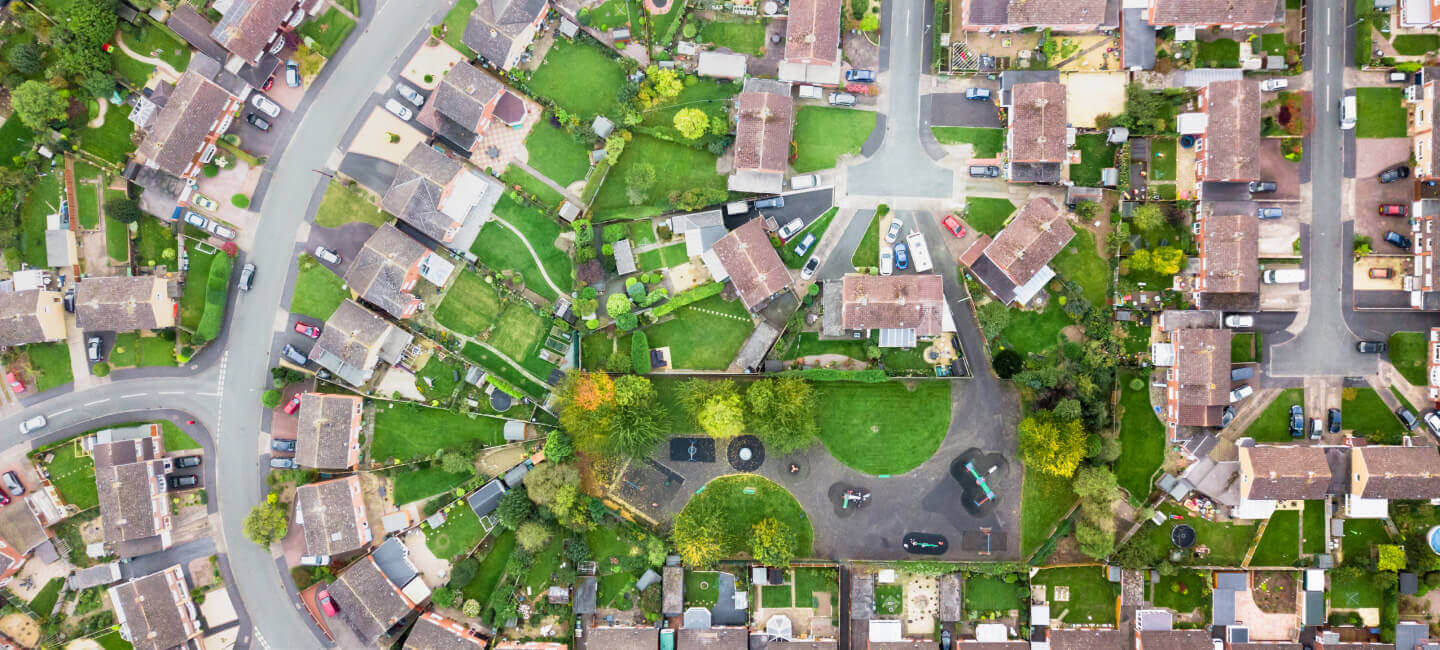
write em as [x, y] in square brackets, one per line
[1216, 12]
[1037, 234]
[715, 638]
[246, 29]
[812, 32]
[381, 267]
[435, 632]
[153, 618]
[1202, 370]
[1230, 253]
[20, 315]
[368, 601]
[20, 529]
[752, 263]
[622, 638]
[1089, 639]
[1176, 640]
[463, 95]
[494, 25]
[1232, 134]
[123, 304]
[1037, 123]
[175, 138]
[128, 478]
[1284, 473]
[762, 134]
[354, 335]
[329, 426]
[1401, 473]
[334, 521]
[195, 29]
[1034, 13]
[894, 302]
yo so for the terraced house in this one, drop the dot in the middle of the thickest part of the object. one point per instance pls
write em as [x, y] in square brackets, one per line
[1229, 147]
[130, 480]
[1271, 475]
[389, 265]
[764, 121]
[32, 316]
[155, 612]
[1228, 276]
[1035, 140]
[1225, 14]
[1197, 385]
[1015, 15]
[182, 138]
[500, 31]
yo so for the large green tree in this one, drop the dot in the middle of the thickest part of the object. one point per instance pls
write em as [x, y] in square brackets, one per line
[37, 105]
[1051, 444]
[546, 479]
[772, 542]
[266, 523]
[532, 536]
[782, 413]
[698, 533]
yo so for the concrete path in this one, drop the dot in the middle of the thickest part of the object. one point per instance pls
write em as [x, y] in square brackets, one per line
[533, 254]
[160, 65]
[99, 120]
[550, 183]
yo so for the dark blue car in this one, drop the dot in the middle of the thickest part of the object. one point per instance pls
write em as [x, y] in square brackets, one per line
[902, 257]
[1397, 240]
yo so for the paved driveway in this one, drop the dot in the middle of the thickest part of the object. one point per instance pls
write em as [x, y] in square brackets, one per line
[376, 174]
[347, 240]
[952, 109]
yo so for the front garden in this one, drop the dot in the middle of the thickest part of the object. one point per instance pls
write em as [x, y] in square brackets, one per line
[823, 134]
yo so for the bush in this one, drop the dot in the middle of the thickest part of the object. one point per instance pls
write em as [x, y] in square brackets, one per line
[100, 369]
[210, 170]
[874, 376]
[464, 572]
[270, 398]
[240, 201]
[686, 297]
[640, 353]
[217, 291]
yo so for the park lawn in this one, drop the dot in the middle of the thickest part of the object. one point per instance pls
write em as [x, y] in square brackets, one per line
[988, 215]
[1044, 500]
[1361, 535]
[580, 78]
[492, 568]
[157, 351]
[742, 37]
[470, 307]
[992, 594]
[1408, 353]
[823, 134]
[455, 21]
[1280, 544]
[1415, 44]
[555, 154]
[519, 332]
[677, 168]
[1366, 414]
[442, 374]
[663, 257]
[809, 344]
[1142, 438]
[328, 30]
[192, 302]
[1228, 543]
[883, 429]
[518, 178]
[1080, 262]
[810, 581]
[1092, 595]
[1273, 425]
[1313, 527]
[890, 599]
[782, 595]
[988, 142]
[1031, 332]
[318, 291]
[406, 431]
[699, 339]
[1193, 591]
[1381, 112]
[342, 205]
[45, 599]
[73, 475]
[460, 532]
[1162, 159]
[543, 233]
[742, 510]
[111, 140]
[175, 439]
[49, 364]
[1242, 347]
[125, 353]
[1095, 155]
[88, 210]
[42, 200]
[702, 588]
[817, 228]
[156, 244]
[867, 254]
[1219, 53]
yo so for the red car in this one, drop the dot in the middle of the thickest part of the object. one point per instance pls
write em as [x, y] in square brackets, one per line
[4, 498]
[16, 386]
[269, 83]
[293, 405]
[308, 330]
[858, 89]
[325, 602]
[953, 225]
[1392, 210]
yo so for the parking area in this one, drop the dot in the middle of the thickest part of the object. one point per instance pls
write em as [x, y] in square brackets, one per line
[185, 470]
[953, 109]
[374, 140]
[1277, 236]
[1381, 272]
[262, 142]
[1284, 173]
[1373, 156]
[806, 205]
[429, 64]
[1282, 296]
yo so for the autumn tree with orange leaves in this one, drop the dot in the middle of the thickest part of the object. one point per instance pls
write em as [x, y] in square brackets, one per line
[611, 416]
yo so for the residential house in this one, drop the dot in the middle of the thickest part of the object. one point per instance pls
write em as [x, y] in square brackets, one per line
[123, 304]
[1015, 265]
[182, 138]
[745, 257]
[764, 119]
[435, 632]
[130, 481]
[1380, 474]
[903, 308]
[387, 267]
[1432, 367]
[1424, 136]
[720, 65]
[377, 591]
[1419, 14]
[1229, 146]
[499, 31]
[812, 43]
[11, 561]
[188, 24]
[700, 229]
[355, 341]
[712, 638]
[1016, 15]
[1422, 281]
[622, 638]
[465, 104]
[329, 431]
[1154, 630]
[332, 514]
[21, 534]
[1035, 138]
[1071, 639]
[442, 198]
[1271, 474]
[155, 612]
[1228, 275]
[248, 27]
[33, 316]
[1197, 386]
[1225, 14]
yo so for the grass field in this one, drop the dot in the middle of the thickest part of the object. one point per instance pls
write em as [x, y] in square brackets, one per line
[1030, 332]
[745, 500]
[883, 429]
[73, 475]
[442, 375]
[1408, 353]
[1219, 53]
[318, 291]
[1381, 112]
[111, 140]
[1280, 544]
[823, 134]
[810, 582]
[1313, 527]
[701, 588]
[580, 78]
[518, 332]
[49, 364]
[504, 369]
[117, 239]
[809, 343]
[1092, 596]
[88, 198]
[1361, 535]
[1355, 591]
[1142, 437]
[42, 200]
[1184, 592]
[988, 215]
[455, 21]
[711, 97]
[542, 232]
[460, 532]
[45, 599]
[1416, 44]
[1242, 347]
[470, 307]
[988, 142]
[405, 431]
[867, 253]
[328, 30]
[342, 205]
[662, 258]
[492, 567]
[1367, 415]
[1080, 262]
[155, 244]
[1044, 499]
[157, 351]
[1162, 159]
[612, 14]
[993, 594]
[699, 339]
[15, 138]
[1227, 542]
[414, 485]
[817, 228]
[678, 168]
[555, 154]
[516, 177]
[192, 302]
[1273, 425]
[890, 599]
[175, 439]
[1095, 155]
[743, 37]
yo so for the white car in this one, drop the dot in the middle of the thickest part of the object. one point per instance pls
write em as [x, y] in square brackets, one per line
[196, 220]
[394, 106]
[894, 232]
[327, 255]
[221, 230]
[887, 262]
[1239, 321]
[33, 424]
[1432, 420]
[1241, 393]
[1272, 85]
[264, 105]
[788, 230]
[410, 95]
[204, 202]
[810, 267]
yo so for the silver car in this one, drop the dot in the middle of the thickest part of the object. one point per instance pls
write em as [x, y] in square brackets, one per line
[398, 109]
[327, 255]
[894, 232]
[410, 95]
[33, 424]
[220, 230]
[196, 220]
[264, 105]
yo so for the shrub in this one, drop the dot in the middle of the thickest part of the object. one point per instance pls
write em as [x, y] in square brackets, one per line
[100, 369]
[640, 353]
[211, 170]
[686, 297]
[270, 398]
[217, 290]
[240, 201]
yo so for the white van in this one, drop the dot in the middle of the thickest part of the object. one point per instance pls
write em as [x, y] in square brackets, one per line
[804, 182]
[1347, 112]
[1283, 276]
[811, 92]
[737, 207]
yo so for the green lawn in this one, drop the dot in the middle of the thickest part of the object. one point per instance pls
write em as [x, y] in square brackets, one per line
[1381, 112]
[441, 373]
[1092, 595]
[542, 232]
[612, 14]
[117, 239]
[1142, 438]
[1031, 332]
[662, 258]
[49, 364]
[505, 369]
[1367, 415]
[470, 306]
[1184, 592]
[15, 138]
[809, 344]
[678, 168]
[698, 339]
[113, 641]
[711, 97]
[1095, 155]
[664, 25]
[1080, 262]
[781, 596]
[176, 439]
[890, 599]
[1227, 542]
[823, 134]
[1219, 53]
[519, 332]
[1162, 159]
[745, 499]
[156, 244]
[328, 30]
[318, 291]
[492, 567]
[817, 228]
[1416, 44]
[701, 588]
[455, 21]
[580, 78]
[405, 431]
[993, 594]
[988, 215]
[1409, 353]
[1354, 592]
[460, 532]
[743, 37]
[342, 205]
[1313, 527]
[810, 581]
[111, 141]
[555, 154]
[1273, 425]
[1361, 535]
[867, 253]
[88, 198]
[164, 43]
[42, 200]
[1280, 545]
[1044, 499]
[545, 564]
[988, 142]
[126, 351]
[1242, 347]
[883, 428]
[73, 475]
[1273, 44]
[157, 351]
[192, 302]
[45, 599]
[516, 177]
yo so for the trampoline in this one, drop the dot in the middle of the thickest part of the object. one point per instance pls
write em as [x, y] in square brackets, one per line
[746, 453]
[500, 401]
[1182, 536]
[692, 450]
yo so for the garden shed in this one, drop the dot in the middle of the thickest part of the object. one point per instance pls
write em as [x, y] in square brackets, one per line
[673, 600]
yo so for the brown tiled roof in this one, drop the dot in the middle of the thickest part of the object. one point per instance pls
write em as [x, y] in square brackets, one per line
[435, 632]
[495, 24]
[716, 638]
[1089, 639]
[1401, 473]
[463, 95]
[329, 427]
[419, 188]
[122, 304]
[20, 315]
[1202, 370]
[380, 268]
[128, 477]
[368, 601]
[812, 32]
[1037, 234]
[181, 127]
[195, 29]
[1034, 13]
[893, 302]
[1232, 133]
[333, 524]
[246, 29]
[762, 135]
[1176, 640]
[1216, 12]
[1284, 473]
[1230, 253]
[355, 337]
[622, 638]
[752, 263]
[1037, 122]
[153, 618]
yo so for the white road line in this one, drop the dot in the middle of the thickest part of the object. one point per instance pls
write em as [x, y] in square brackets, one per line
[136, 395]
[172, 392]
[101, 401]
[61, 412]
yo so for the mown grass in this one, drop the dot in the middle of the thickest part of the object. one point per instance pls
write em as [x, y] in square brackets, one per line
[886, 429]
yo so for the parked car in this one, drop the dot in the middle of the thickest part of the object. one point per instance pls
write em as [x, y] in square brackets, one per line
[282, 463]
[293, 405]
[893, 232]
[292, 73]
[269, 83]
[264, 105]
[953, 225]
[281, 444]
[772, 202]
[257, 121]
[1241, 373]
[804, 182]
[1272, 85]
[978, 94]
[410, 94]
[314, 560]
[1297, 421]
[1393, 210]
[887, 262]
[862, 76]
[221, 230]
[805, 243]
[196, 220]
[398, 109]
[294, 355]
[902, 256]
[94, 349]
[811, 266]
[1371, 347]
[1406, 418]
[311, 331]
[1316, 428]
[789, 229]
[33, 424]
[1239, 321]
[1382, 273]
[326, 605]
[1333, 418]
[984, 171]
[1432, 420]
[12, 483]
[204, 202]
[181, 482]
[945, 639]
[4, 498]
[1269, 213]
[327, 255]
[1397, 240]
[1241, 393]
[16, 386]
[185, 462]
[1398, 172]
[1262, 187]
[247, 276]
[841, 99]
[294, 18]
[1282, 276]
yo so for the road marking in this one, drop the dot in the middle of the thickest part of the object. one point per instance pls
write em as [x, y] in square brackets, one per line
[61, 412]
[172, 392]
[260, 638]
[136, 395]
[102, 401]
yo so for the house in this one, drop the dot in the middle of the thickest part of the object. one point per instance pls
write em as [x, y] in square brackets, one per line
[1035, 137]
[465, 104]
[332, 514]
[700, 229]
[355, 341]
[719, 65]
[130, 481]
[441, 197]
[1016, 15]
[745, 257]
[1270, 474]
[624, 257]
[378, 591]
[188, 24]
[435, 632]
[1225, 14]
[182, 139]
[764, 118]
[155, 612]
[33, 316]
[1424, 136]
[499, 31]
[1422, 281]
[904, 308]
[387, 267]
[1015, 266]
[123, 304]
[812, 43]
[1229, 246]
[248, 27]
[1174, 640]
[622, 638]
[1380, 474]
[713, 638]
[11, 561]
[21, 535]
[1197, 386]
[1071, 639]
[1419, 14]
[1229, 146]
[329, 431]
[1432, 366]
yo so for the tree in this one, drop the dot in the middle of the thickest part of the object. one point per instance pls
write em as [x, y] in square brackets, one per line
[640, 353]
[772, 542]
[1145, 111]
[270, 398]
[1140, 260]
[665, 81]
[1051, 444]
[266, 524]
[1069, 409]
[691, 122]
[577, 550]
[1148, 216]
[618, 303]
[471, 608]
[515, 508]
[26, 58]
[532, 536]
[870, 23]
[1391, 557]
[559, 448]
[463, 573]
[455, 462]
[719, 126]
[1007, 362]
[1094, 541]
[782, 413]
[698, 533]
[92, 21]
[99, 84]
[993, 317]
[1167, 260]
[638, 182]
[722, 417]
[546, 479]
[443, 596]
[640, 421]
[37, 104]
[1362, 246]
[614, 146]
[627, 322]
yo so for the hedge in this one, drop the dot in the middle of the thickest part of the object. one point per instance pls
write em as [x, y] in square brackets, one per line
[504, 386]
[217, 290]
[873, 376]
[640, 353]
[686, 297]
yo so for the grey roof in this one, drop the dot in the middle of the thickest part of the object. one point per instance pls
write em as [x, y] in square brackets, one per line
[120, 304]
[329, 425]
[94, 576]
[420, 187]
[58, 243]
[128, 476]
[484, 500]
[180, 129]
[435, 632]
[394, 561]
[1232, 580]
[19, 315]
[354, 340]
[622, 638]
[624, 257]
[1222, 607]
[20, 528]
[515, 475]
[463, 95]
[379, 271]
[153, 620]
[195, 29]
[862, 595]
[495, 24]
[673, 598]
[736, 638]
[1409, 634]
[1314, 608]
[332, 524]
[584, 602]
[248, 26]
[756, 346]
[368, 601]
[1138, 48]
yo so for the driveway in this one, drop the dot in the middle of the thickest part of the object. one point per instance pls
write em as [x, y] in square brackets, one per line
[375, 174]
[806, 205]
[1368, 194]
[1285, 174]
[953, 109]
[347, 240]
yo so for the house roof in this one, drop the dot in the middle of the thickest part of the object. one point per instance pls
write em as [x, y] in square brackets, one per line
[1034, 13]
[1036, 235]
[368, 601]
[720, 638]
[433, 192]
[893, 302]
[20, 315]
[1176, 640]
[20, 529]
[1217, 12]
[494, 25]
[435, 632]
[195, 29]
[153, 618]
[1401, 473]
[752, 263]
[463, 95]
[762, 133]
[622, 638]
[334, 516]
[356, 339]
[1230, 253]
[673, 591]
[1037, 122]
[1284, 473]
[180, 129]
[485, 499]
[812, 32]
[128, 476]
[248, 26]
[1088, 639]
[122, 304]
[1202, 370]
[329, 428]
[1232, 134]
[379, 270]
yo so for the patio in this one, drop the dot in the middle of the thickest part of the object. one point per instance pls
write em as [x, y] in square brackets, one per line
[1091, 94]
[434, 59]
[374, 137]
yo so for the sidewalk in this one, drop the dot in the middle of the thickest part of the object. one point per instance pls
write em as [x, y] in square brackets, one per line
[79, 363]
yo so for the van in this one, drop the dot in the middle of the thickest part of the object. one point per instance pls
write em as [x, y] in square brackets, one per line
[812, 92]
[736, 207]
[1282, 276]
[804, 182]
[1347, 112]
